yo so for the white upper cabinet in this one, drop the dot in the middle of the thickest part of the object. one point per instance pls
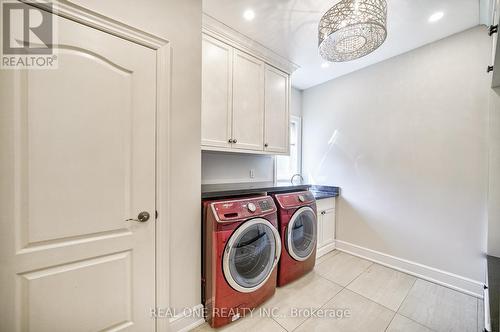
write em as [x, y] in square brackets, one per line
[216, 97]
[245, 94]
[495, 50]
[248, 102]
[276, 110]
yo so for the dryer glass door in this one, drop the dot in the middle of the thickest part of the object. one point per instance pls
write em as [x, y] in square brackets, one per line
[301, 234]
[251, 254]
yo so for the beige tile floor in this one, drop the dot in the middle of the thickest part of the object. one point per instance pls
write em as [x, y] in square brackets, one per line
[376, 298]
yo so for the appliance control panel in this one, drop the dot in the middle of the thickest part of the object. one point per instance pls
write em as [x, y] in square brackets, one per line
[291, 200]
[234, 210]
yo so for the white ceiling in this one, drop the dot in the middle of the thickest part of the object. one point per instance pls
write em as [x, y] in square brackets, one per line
[289, 27]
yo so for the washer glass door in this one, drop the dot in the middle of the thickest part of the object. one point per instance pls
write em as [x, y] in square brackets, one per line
[251, 254]
[301, 234]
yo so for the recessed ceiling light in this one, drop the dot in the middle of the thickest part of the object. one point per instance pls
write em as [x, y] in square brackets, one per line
[248, 14]
[325, 65]
[436, 17]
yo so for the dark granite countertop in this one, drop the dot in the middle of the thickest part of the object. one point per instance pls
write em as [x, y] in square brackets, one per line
[321, 192]
[248, 188]
[237, 189]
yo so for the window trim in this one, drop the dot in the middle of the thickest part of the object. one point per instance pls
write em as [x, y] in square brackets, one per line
[298, 121]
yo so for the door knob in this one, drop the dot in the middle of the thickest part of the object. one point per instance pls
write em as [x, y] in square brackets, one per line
[141, 217]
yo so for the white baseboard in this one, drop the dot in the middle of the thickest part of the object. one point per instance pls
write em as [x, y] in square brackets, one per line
[185, 323]
[447, 279]
[325, 249]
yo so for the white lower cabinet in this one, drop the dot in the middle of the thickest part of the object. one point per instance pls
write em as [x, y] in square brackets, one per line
[326, 226]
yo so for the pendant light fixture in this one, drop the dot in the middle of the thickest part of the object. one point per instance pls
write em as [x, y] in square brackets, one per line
[352, 29]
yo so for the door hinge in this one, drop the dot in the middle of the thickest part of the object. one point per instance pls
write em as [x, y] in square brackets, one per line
[489, 69]
[493, 29]
[156, 214]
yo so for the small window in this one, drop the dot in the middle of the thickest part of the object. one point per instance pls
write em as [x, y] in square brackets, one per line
[287, 166]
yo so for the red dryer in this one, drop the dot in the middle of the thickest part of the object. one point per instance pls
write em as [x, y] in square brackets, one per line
[242, 248]
[298, 230]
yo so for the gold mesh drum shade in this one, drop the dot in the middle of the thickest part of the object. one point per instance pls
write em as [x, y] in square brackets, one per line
[352, 29]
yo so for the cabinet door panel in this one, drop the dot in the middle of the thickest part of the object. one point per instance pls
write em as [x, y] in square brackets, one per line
[217, 63]
[248, 102]
[320, 230]
[276, 110]
[328, 226]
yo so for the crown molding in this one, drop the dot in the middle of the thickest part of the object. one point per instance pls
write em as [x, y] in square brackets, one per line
[95, 20]
[211, 26]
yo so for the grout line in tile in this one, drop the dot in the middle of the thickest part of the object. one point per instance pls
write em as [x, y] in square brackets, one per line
[409, 291]
[321, 306]
[397, 313]
[344, 288]
[406, 296]
[331, 253]
[302, 323]
[324, 304]
[394, 316]
[397, 310]
[416, 322]
[370, 300]
[359, 275]
[333, 282]
[326, 259]
[356, 277]
[280, 324]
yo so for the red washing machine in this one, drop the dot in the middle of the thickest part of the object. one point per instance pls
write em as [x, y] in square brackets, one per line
[242, 248]
[298, 230]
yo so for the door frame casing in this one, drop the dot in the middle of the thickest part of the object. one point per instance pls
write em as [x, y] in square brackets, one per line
[162, 48]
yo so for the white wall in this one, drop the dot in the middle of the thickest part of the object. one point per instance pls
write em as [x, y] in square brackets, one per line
[220, 167]
[296, 102]
[494, 188]
[406, 140]
[180, 23]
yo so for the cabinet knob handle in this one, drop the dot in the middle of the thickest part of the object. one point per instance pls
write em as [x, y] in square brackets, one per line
[235, 141]
[230, 140]
[266, 145]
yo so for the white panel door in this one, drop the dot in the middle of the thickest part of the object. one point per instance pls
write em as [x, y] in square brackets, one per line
[248, 102]
[83, 145]
[216, 93]
[276, 110]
